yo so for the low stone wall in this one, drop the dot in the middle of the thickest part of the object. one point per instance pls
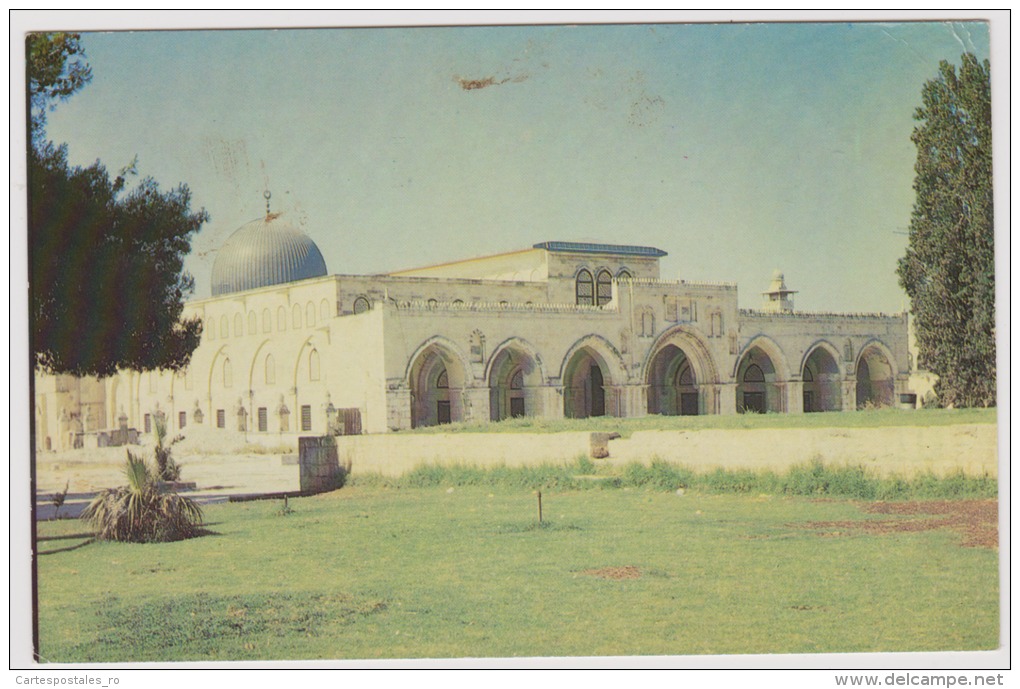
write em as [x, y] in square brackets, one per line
[393, 454]
[902, 450]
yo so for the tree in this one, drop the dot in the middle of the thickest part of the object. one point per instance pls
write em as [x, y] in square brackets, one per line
[106, 263]
[949, 268]
[57, 69]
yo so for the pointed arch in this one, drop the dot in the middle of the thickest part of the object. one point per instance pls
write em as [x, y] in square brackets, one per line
[761, 376]
[603, 287]
[875, 370]
[303, 357]
[769, 346]
[590, 372]
[523, 346]
[437, 374]
[681, 374]
[514, 372]
[584, 288]
[821, 378]
[257, 363]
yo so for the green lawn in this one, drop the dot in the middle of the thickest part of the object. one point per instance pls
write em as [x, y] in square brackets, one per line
[870, 418]
[370, 572]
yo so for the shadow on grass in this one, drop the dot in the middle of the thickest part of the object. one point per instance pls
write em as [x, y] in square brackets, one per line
[201, 533]
[64, 538]
[67, 549]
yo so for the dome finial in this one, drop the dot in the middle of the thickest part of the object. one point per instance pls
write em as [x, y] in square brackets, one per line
[267, 194]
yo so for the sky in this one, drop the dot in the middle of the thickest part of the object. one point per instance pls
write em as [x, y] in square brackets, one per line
[736, 148]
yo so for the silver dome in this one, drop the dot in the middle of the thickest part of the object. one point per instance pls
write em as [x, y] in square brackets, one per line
[267, 251]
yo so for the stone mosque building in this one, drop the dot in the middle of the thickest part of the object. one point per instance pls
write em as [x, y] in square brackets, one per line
[561, 329]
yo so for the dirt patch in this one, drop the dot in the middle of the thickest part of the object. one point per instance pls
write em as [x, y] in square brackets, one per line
[976, 520]
[627, 572]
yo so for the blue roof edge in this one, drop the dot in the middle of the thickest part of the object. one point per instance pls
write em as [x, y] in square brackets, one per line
[592, 248]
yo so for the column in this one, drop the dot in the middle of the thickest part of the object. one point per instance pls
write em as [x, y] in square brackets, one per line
[727, 398]
[795, 397]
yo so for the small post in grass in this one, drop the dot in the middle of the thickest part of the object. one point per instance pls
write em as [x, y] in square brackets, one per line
[539, 507]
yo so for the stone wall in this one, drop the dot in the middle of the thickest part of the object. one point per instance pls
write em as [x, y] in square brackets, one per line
[320, 468]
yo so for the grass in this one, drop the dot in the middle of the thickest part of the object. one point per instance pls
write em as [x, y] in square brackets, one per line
[867, 418]
[377, 571]
[813, 479]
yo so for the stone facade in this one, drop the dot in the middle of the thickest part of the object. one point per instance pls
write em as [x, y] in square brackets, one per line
[559, 330]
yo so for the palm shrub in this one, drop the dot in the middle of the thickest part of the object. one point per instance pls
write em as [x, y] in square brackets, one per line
[142, 511]
[167, 469]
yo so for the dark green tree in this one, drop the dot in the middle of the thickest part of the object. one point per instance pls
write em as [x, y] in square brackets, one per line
[949, 268]
[106, 278]
[57, 69]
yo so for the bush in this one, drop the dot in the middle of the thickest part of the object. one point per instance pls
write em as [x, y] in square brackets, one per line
[585, 467]
[141, 512]
[166, 468]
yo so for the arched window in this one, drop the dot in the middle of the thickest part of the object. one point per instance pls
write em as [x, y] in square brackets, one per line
[685, 376]
[238, 325]
[585, 289]
[324, 310]
[604, 288]
[624, 274]
[253, 323]
[313, 365]
[224, 328]
[361, 305]
[281, 318]
[297, 316]
[267, 321]
[754, 374]
[270, 370]
[210, 329]
[443, 381]
[228, 374]
[310, 315]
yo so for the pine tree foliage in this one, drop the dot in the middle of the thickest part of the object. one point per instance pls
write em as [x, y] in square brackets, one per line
[106, 259]
[949, 268]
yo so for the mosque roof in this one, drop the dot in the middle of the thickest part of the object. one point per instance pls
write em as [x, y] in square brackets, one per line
[591, 248]
[267, 251]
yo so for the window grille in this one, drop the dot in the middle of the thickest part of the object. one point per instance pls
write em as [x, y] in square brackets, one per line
[585, 293]
[604, 285]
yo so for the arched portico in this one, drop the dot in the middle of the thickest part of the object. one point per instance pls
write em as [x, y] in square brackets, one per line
[590, 371]
[681, 375]
[437, 378]
[875, 376]
[514, 374]
[761, 378]
[822, 381]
